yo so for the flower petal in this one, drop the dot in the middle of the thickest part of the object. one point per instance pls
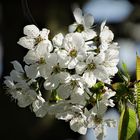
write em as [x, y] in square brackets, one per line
[64, 91]
[89, 78]
[78, 15]
[88, 20]
[26, 42]
[58, 39]
[31, 31]
[17, 66]
[80, 67]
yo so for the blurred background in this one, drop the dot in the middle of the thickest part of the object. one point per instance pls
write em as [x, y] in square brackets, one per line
[123, 18]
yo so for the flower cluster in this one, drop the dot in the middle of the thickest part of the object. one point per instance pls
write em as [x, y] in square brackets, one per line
[67, 75]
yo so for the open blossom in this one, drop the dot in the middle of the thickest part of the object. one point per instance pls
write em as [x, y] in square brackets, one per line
[34, 37]
[72, 88]
[106, 37]
[72, 70]
[83, 24]
[73, 50]
[93, 69]
[18, 86]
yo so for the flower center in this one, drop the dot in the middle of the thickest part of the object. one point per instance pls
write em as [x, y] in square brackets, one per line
[97, 119]
[42, 61]
[97, 41]
[38, 39]
[73, 83]
[73, 53]
[80, 28]
[91, 66]
[56, 69]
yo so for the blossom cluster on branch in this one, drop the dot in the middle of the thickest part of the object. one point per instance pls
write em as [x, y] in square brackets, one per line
[68, 75]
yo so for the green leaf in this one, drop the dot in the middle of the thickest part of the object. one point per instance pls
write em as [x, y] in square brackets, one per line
[138, 99]
[125, 73]
[127, 129]
[137, 87]
[97, 87]
[138, 68]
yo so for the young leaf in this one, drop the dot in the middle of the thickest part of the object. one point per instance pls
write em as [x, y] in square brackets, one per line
[125, 70]
[127, 126]
[138, 85]
[138, 68]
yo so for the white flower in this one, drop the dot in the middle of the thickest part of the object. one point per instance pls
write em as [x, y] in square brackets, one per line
[34, 37]
[73, 44]
[9, 82]
[112, 59]
[83, 24]
[92, 69]
[106, 37]
[41, 61]
[73, 85]
[25, 98]
[55, 79]
[106, 34]
[78, 124]
[100, 131]
[18, 86]
[106, 98]
[40, 107]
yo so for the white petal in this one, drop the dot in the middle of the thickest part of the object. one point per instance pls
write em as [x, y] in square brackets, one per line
[81, 56]
[46, 44]
[103, 25]
[63, 58]
[112, 70]
[78, 15]
[72, 27]
[78, 99]
[78, 90]
[72, 63]
[64, 77]
[44, 33]
[104, 46]
[101, 73]
[65, 115]
[80, 67]
[89, 78]
[26, 99]
[52, 59]
[16, 76]
[58, 39]
[111, 122]
[9, 82]
[106, 35]
[100, 132]
[64, 91]
[31, 31]
[88, 20]
[51, 83]
[26, 42]
[32, 71]
[90, 59]
[100, 58]
[40, 107]
[31, 57]
[77, 125]
[99, 109]
[45, 70]
[17, 66]
[77, 40]
[89, 34]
